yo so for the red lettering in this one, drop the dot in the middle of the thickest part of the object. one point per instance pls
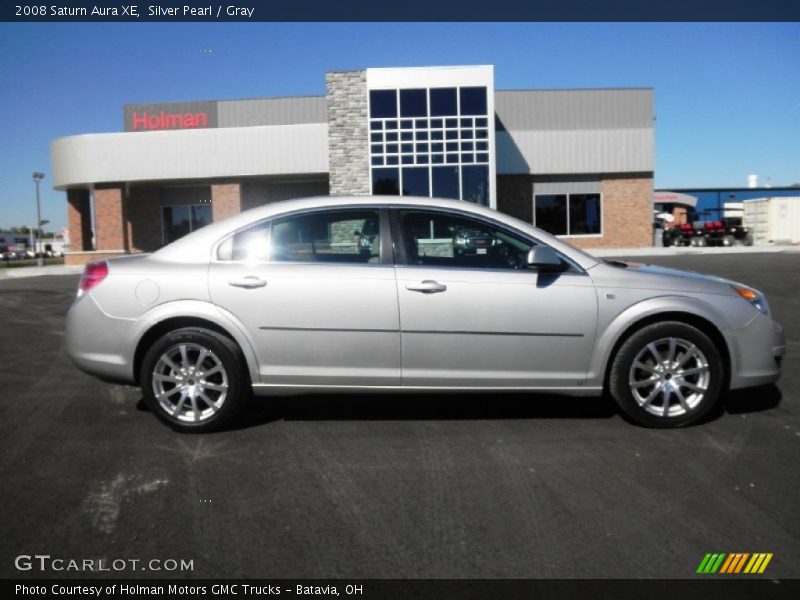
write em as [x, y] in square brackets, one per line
[163, 120]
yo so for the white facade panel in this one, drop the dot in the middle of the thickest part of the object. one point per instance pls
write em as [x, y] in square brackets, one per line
[586, 151]
[190, 154]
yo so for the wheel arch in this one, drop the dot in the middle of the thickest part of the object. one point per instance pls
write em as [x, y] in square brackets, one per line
[701, 322]
[185, 316]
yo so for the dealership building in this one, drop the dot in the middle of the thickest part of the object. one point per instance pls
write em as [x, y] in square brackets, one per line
[577, 163]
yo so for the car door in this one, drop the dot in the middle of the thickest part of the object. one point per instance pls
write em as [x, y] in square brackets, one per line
[473, 314]
[316, 292]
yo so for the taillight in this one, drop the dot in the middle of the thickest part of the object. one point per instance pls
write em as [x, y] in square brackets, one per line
[93, 274]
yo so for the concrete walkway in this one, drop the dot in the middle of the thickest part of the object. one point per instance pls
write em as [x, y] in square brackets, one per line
[13, 273]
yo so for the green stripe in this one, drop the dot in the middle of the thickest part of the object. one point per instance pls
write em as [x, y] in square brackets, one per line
[718, 564]
[702, 566]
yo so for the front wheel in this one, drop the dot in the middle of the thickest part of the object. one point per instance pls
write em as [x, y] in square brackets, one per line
[194, 380]
[667, 374]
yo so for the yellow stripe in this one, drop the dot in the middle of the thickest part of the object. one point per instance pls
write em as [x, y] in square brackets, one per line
[743, 557]
[728, 561]
[765, 563]
[753, 564]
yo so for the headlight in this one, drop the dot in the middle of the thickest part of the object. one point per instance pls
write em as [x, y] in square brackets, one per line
[753, 297]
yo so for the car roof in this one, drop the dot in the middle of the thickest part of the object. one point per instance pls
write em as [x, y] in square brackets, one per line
[195, 246]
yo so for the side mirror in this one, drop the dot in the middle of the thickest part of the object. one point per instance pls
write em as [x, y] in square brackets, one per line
[544, 258]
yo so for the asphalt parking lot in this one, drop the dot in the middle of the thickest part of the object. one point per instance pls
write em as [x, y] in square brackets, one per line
[466, 486]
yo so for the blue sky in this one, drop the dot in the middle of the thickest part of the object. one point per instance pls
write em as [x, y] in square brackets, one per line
[727, 96]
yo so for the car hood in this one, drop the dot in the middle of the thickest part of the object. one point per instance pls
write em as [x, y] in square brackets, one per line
[645, 276]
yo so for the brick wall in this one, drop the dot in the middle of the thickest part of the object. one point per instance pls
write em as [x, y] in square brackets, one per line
[226, 200]
[348, 145]
[515, 196]
[79, 220]
[109, 217]
[627, 214]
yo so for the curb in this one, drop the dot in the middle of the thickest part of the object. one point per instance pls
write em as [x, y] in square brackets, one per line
[39, 271]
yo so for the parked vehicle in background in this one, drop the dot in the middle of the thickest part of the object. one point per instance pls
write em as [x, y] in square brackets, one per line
[287, 298]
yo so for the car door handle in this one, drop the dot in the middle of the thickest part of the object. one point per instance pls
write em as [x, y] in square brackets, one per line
[427, 287]
[249, 282]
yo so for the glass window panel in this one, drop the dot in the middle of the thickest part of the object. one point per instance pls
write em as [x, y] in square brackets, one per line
[391, 124]
[201, 215]
[466, 146]
[391, 160]
[551, 213]
[437, 135]
[437, 158]
[452, 146]
[252, 244]
[584, 214]
[377, 160]
[386, 182]
[376, 137]
[475, 184]
[422, 147]
[407, 159]
[391, 137]
[391, 148]
[482, 146]
[409, 124]
[452, 158]
[413, 103]
[422, 135]
[481, 122]
[482, 157]
[407, 147]
[436, 124]
[422, 159]
[445, 240]
[407, 136]
[451, 122]
[376, 125]
[466, 134]
[445, 182]
[473, 100]
[443, 102]
[338, 236]
[415, 181]
[451, 135]
[376, 148]
[421, 124]
[466, 122]
[382, 103]
[177, 222]
[481, 134]
[437, 147]
[467, 158]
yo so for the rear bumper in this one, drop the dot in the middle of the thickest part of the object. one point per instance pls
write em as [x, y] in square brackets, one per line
[95, 341]
[760, 347]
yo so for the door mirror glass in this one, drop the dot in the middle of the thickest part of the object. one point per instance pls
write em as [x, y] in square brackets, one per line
[544, 258]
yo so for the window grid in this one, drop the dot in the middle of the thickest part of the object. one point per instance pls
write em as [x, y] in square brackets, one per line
[471, 129]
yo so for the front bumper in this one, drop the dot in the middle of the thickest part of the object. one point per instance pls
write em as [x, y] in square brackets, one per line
[760, 347]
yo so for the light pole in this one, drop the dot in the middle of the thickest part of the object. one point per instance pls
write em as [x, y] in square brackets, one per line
[37, 177]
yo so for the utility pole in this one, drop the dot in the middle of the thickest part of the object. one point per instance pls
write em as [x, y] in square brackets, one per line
[37, 177]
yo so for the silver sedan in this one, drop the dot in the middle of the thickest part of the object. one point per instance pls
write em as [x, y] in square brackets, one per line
[371, 294]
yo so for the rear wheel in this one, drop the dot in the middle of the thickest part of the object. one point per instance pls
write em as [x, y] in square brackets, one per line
[728, 241]
[667, 374]
[194, 380]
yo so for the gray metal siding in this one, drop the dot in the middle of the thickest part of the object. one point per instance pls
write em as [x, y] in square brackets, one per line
[574, 185]
[272, 111]
[547, 110]
[587, 151]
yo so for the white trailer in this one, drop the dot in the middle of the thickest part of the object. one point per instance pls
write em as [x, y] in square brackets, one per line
[774, 220]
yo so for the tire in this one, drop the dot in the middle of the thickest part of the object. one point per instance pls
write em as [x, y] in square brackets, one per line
[728, 241]
[635, 365]
[748, 240]
[702, 242]
[693, 242]
[195, 380]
